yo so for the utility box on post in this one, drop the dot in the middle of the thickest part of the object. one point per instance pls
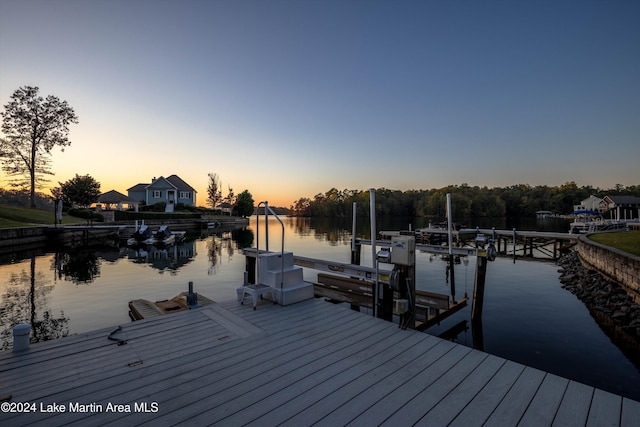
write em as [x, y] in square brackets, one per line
[403, 250]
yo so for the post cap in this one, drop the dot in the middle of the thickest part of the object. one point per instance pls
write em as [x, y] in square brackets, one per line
[22, 329]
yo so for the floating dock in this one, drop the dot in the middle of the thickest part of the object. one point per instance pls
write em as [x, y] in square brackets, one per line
[144, 309]
[307, 363]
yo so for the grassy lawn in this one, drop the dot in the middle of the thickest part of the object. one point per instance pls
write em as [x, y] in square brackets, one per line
[13, 216]
[628, 241]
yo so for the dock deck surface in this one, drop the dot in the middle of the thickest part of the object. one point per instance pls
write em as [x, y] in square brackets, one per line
[311, 363]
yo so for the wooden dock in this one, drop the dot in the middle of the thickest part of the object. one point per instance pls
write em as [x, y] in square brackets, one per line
[310, 363]
[546, 244]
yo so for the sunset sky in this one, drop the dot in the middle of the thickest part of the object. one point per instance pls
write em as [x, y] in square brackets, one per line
[288, 98]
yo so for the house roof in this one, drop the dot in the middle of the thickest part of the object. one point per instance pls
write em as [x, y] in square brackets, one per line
[624, 200]
[114, 196]
[180, 184]
[161, 183]
[592, 197]
[138, 187]
[174, 180]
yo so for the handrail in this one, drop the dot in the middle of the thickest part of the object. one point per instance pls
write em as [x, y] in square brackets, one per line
[267, 209]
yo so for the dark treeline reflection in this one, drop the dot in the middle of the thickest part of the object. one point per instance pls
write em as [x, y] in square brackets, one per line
[78, 266]
[227, 243]
[25, 301]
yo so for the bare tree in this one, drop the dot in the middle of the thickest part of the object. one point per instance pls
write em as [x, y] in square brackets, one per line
[33, 126]
[231, 197]
[214, 193]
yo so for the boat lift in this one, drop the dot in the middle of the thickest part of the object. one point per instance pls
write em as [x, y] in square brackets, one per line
[387, 287]
[390, 292]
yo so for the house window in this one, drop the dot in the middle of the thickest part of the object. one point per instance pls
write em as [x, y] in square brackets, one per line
[185, 195]
[156, 194]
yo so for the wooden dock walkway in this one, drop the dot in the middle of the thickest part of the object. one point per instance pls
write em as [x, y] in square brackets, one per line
[310, 363]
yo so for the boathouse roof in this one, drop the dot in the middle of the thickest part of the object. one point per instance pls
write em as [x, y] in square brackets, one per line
[113, 197]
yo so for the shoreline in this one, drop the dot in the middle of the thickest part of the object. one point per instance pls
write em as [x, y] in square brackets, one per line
[37, 233]
[608, 302]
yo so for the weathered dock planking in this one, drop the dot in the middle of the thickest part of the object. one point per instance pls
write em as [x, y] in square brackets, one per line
[310, 363]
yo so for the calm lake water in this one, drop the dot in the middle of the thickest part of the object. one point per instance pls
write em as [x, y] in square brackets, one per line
[527, 316]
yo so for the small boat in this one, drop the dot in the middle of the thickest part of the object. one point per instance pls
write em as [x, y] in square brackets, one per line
[583, 227]
[140, 236]
[587, 221]
[165, 236]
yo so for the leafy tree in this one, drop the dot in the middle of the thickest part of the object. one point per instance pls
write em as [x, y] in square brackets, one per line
[214, 193]
[33, 126]
[301, 207]
[244, 204]
[82, 190]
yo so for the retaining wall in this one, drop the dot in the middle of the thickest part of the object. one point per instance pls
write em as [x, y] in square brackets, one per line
[24, 235]
[618, 265]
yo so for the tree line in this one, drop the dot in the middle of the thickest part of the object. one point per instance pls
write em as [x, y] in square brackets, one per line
[516, 201]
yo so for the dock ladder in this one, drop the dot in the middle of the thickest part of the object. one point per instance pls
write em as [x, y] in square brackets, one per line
[258, 289]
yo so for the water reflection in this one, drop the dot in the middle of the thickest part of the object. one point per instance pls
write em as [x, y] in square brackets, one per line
[77, 266]
[227, 242]
[24, 300]
[169, 259]
[243, 238]
[214, 252]
[331, 230]
[527, 316]
[109, 277]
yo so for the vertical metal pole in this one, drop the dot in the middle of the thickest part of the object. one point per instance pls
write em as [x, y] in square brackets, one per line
[450, 233]
[355, 246]
[514, 245]
[258, 263]
[478, 288]
[353, 228]
[266, 225]
[449, 229]
[374, 262]
[375, 291]
[372, 202]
